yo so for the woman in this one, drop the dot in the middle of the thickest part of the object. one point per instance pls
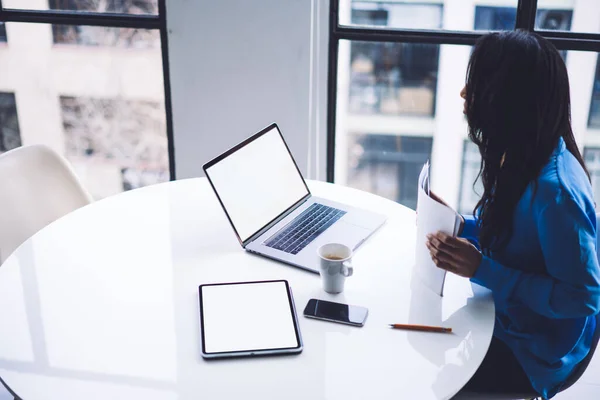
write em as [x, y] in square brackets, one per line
[536, 222]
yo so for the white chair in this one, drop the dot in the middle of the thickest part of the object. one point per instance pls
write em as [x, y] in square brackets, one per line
[37, 186]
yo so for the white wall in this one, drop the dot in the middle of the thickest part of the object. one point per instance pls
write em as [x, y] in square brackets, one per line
[238, 65]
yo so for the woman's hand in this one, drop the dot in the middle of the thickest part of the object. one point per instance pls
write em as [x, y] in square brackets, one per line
[454, 254]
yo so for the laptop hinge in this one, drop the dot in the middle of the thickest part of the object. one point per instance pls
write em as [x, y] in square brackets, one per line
[275, 221]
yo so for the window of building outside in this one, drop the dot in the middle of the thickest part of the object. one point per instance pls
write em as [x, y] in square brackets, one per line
[99, 91]
[10, 137]
[3, 37]
[594, 118]
[470, 190]
[591, 157]
[106, 36]
[375, 158]
[131, 7]
[503, 18]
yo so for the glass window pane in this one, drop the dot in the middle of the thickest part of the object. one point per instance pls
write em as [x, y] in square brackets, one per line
[393, 78]
[380, 148]
[495, 18]
[591, 156]
[3, 37]
[100, 106]
[398, 106]
[568, 15]
[594, 119]
[415, 14]
[103, 6]
[470, 190]
[392, 15]
[105, 36]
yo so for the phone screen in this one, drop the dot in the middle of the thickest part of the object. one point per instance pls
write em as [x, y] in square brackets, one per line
[337, 312]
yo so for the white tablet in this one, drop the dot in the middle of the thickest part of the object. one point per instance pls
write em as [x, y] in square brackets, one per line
[248, 319]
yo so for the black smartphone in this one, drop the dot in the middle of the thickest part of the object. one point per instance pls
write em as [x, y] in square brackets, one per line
[336, 312]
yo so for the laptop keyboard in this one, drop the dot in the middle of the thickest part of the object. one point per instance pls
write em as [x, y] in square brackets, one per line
[304, 228]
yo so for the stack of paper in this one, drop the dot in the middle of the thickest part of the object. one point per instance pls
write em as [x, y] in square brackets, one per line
[432, 217]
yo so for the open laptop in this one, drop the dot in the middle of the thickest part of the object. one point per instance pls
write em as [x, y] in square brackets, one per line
[271, 208]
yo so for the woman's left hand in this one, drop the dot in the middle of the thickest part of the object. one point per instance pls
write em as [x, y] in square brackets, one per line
[453, 254]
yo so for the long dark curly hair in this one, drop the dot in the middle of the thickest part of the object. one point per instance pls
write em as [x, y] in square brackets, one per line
[518, 106]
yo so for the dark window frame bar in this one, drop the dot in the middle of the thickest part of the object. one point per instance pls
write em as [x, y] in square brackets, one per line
[113, 20]
[526, 15]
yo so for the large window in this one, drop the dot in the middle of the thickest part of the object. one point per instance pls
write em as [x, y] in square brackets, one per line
[397, 70]
[93, 91]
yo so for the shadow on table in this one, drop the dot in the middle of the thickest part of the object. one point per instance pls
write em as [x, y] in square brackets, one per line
[449, 352]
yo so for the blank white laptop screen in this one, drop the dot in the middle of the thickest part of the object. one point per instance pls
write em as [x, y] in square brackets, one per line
[247, 316]
[257, 183]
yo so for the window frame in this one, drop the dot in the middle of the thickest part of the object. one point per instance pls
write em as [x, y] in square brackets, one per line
[526, 16]
[113, 20]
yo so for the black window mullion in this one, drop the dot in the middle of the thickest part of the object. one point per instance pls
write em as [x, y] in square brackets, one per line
[164, 40]
[407, 35]
[526, 11]
[81, 18]
[332, 68]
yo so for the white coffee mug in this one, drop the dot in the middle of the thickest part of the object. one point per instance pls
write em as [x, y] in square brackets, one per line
[336, 265]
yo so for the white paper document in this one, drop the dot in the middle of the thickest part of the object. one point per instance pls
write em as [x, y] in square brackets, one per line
[431, 217]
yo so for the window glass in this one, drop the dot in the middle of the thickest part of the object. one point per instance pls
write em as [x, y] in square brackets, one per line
[470, 190]
[585, 16]
[100, 106]
[504, 18]
[392, 15]
[103, 6]
[105, 36]
[594, 118]
[393, 78]
[394, 113]
[387, 165]
[3, 37]
[591, 156]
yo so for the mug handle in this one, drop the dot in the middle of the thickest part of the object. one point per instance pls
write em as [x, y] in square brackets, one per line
[347, 269]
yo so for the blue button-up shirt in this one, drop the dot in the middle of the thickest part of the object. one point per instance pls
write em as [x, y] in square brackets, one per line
[546, 281]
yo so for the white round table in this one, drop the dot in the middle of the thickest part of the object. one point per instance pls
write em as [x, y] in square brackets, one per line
[102, 304]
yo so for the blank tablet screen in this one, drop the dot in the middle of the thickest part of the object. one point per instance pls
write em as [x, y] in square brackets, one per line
[246, 317]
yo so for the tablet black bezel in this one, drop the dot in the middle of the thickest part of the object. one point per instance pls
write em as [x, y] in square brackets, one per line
[252, 352]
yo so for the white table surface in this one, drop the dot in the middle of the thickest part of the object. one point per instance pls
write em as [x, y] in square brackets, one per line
[102, 304]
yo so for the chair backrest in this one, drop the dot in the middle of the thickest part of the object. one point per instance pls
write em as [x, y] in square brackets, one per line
[37, 186]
